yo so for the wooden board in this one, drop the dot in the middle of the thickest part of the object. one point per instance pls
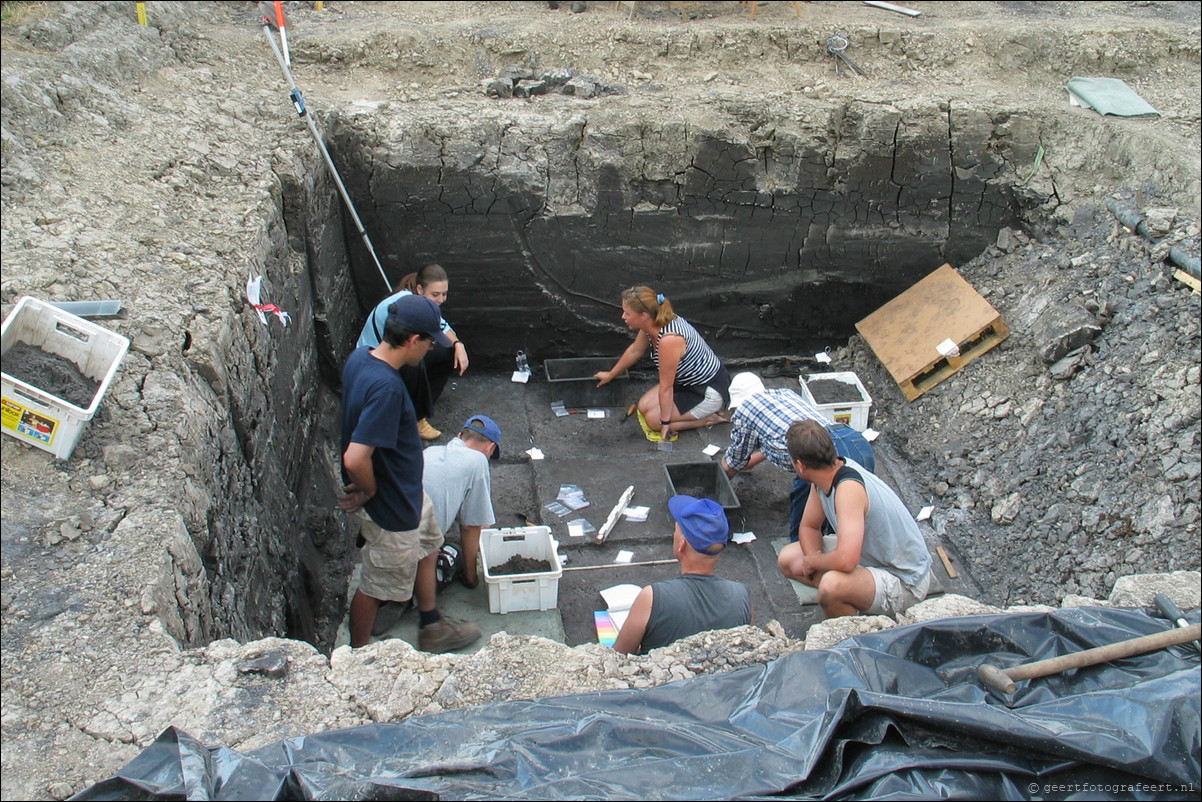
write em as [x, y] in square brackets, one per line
[1189, 281]
[905, 333]
[947, 563]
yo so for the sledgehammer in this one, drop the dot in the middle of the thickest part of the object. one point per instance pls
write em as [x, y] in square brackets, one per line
[1003, 679]
[1172, 612]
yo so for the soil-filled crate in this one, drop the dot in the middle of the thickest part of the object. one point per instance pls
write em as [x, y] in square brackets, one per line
[702, 480]
[528, 590]
[57, 368]
[931, 330]
[574, 381]
[839, 396]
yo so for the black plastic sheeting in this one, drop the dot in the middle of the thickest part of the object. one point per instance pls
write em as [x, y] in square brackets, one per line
[896, 714]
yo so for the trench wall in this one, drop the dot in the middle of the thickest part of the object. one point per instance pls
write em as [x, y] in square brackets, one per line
[262, 440]
[771, 233]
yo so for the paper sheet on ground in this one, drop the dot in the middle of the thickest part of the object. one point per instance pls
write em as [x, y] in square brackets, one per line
[620, 597]
[636, 514]
[742, 537]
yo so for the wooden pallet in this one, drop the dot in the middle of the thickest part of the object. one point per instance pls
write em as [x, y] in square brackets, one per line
[907, 332]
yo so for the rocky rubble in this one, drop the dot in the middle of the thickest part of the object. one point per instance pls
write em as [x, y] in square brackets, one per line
[1084, 469]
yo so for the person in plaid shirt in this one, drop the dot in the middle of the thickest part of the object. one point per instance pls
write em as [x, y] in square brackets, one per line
[761, 418]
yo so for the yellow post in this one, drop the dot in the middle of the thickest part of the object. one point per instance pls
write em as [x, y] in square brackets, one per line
[141, 13]
[317, 5]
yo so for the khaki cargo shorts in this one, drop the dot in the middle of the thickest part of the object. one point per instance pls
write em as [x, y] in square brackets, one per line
[892, 596]
[390, 558]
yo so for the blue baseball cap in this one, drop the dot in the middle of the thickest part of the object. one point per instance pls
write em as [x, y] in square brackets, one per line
[702, 522]
[418, 313]
[487, 427]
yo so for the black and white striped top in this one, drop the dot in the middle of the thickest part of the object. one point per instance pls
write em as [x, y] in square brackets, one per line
[699, 364]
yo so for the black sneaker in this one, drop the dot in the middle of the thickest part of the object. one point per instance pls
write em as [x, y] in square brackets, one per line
[449, 565]
[387, 614]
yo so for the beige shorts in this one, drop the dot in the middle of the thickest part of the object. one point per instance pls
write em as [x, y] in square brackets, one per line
[894, 596]
[390, 558]
[891, 595]
[708, 406]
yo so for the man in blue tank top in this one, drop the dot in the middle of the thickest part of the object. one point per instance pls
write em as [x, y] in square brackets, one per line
[878, 562]
[696, 601]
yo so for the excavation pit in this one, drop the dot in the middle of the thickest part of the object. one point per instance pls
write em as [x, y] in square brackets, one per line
[766, 196]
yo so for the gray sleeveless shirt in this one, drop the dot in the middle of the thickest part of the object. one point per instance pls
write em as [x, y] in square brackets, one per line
[694, 603]
[892, 539]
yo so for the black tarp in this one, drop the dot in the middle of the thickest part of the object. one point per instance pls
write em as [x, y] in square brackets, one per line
[896, 714]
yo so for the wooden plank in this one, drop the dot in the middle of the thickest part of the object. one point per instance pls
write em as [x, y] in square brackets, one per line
[947, 563]
[905, 332]
[1189, 281]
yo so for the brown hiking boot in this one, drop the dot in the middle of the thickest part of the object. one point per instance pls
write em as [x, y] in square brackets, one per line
[427, 431]
[447, 635]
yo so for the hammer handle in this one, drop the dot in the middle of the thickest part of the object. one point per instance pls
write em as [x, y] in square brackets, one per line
[1104, 654]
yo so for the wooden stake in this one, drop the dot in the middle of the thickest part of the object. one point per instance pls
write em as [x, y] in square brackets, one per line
[1189, 281]
[618, 565]
[947, 563]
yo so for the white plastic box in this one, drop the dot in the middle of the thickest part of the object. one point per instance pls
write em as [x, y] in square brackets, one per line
[36, 416]
[510, 593]
[853, 413]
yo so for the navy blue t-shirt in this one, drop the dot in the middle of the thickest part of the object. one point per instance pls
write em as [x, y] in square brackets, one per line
[377, 411]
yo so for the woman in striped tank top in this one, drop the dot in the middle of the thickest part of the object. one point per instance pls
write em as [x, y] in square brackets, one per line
[693, 384]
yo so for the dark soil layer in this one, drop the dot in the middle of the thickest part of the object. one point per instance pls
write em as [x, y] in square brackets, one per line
[51, 373]
[517, 564]
[833, 391]
[698, 491]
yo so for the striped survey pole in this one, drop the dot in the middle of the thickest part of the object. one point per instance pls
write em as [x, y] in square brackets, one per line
[279, 21]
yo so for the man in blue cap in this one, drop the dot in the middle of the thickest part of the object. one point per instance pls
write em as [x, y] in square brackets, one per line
[382, 471]
[696, 601]
[458, 480]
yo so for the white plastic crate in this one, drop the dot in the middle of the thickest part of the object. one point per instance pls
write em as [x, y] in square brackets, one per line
[36, 416]
[853, 413]
[510, 593]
